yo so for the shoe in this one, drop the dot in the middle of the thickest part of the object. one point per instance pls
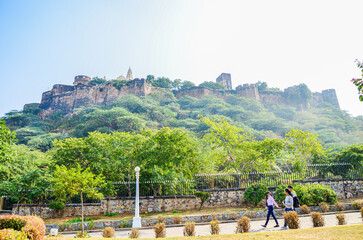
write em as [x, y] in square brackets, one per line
[277, 225]
[263, 226]
[284, 227]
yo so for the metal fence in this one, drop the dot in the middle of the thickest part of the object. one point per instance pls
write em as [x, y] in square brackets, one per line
[242, 180]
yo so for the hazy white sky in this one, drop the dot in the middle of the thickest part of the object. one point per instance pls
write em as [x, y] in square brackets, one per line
[281, 42]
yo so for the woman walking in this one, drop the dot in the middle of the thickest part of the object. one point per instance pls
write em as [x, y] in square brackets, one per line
[270, 202]
[288, 203]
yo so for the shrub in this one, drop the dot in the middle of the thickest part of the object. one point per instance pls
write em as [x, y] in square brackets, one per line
[214, 227]
[292, 219]
[324, 207]
[32, 226]
[189, 229]
[361, 213]
[57, 206]
[161, 219]
[177, 219]
[357, 204]
[81, 234]
[318, 219]
[305, 209]
[213, 217]
[341, 219]
[339, 206]
[255, 193]
[63, 226]
[313, 194]
[243, 225]
[91, 225]
[203, 197]
[125, 224]
[160, 231]
[108, 232]
[135, 233]
[11, 234]
[280, 193]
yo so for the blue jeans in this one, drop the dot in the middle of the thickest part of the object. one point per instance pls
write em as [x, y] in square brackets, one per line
[271, 212]
[287, 210]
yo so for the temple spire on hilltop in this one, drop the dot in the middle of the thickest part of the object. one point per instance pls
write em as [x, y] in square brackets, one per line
[129, 75]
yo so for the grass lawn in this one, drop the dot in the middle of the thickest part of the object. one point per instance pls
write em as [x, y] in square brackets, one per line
[326, 233]
[122, 216]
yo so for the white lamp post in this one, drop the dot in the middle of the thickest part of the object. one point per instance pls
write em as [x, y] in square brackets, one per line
[136, 221]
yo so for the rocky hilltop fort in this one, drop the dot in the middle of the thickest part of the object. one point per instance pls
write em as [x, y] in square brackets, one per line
[86, 91]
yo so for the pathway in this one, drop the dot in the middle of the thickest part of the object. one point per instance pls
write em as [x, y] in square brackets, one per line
[228, 228]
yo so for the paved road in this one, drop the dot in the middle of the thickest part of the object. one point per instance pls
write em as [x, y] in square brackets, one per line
[228, 228]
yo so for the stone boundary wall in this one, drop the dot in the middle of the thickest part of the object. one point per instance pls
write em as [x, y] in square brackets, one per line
[219, 198]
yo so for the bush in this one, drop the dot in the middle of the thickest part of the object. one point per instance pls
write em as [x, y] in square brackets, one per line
[160, 231]
[63, 226]
[135, 233]
[324, 207]
[292, 219]
[361, 213]
[243, 225]
[255, 193]
[108, 232]
[125, 224]
[214, 227]
[91, 225]
[177, 219]
[357, 204]
[339, 206]
[213, 217]
[81, 234]
[313, 194]
[189, 229]
[341, 219]
[32, 226]
[318, 219]
[161, 219]
[280, 193]
[203, 196]
[57, 206]
[11, 234]
[305, 209]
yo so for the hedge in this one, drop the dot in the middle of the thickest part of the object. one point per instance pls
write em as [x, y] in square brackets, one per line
[11, 234]
[33, 227]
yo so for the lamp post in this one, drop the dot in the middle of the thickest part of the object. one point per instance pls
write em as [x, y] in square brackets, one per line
[136, 221]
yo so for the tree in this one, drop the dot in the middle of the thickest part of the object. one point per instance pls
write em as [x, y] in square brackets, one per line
[261, 86]
[352, 155]
[7, 138]
[237, 150]
[187, 84]
[213, 85]
[203, 196]
[359, 81]
[176, 84]
[25, 187]
[75, 181]
[303, 146]
[162, 82]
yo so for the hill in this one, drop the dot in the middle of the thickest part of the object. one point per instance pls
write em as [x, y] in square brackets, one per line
[169, 104]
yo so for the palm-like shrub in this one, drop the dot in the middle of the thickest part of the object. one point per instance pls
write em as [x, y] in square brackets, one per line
[318, 219]
[243, 225]
[189, 229]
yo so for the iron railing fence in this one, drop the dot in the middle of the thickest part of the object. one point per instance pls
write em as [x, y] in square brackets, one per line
[202, 182]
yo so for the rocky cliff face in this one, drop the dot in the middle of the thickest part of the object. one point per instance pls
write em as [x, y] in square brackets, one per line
[66, 98]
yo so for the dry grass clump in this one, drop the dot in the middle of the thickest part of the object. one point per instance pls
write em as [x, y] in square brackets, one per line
[318, 219]
[357, 204]
[108, 232]
[160, 231]
[324, 207]
[339, 206]
[135, 233]
[341, 219]
[189, 229]
[63, 226]
[292, 219]
[161, 219]
[214, 227]
[213, 217]
[243, 225]
[177, 219]
[305, 209]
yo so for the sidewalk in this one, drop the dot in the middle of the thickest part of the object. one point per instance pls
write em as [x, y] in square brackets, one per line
[228, 228]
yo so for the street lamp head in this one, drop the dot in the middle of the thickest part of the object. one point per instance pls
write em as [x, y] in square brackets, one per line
[137, 169]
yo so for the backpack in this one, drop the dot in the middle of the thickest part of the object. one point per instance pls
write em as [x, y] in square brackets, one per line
[296, 202]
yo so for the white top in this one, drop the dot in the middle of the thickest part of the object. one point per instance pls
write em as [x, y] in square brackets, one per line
[289, 202]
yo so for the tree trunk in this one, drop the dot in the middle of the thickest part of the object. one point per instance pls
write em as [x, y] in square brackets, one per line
[17, 207]
[82, 214]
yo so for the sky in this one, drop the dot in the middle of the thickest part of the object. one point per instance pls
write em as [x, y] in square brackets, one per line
[283, 43]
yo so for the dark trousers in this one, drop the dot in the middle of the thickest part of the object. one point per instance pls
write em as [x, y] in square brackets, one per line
[287, 210]
[271, 212]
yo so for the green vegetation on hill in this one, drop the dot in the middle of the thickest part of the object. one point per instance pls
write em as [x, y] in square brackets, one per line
[161, 109]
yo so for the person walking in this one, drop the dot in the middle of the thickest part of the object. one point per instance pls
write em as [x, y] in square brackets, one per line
[270, 202]
[294, 197]
[288, 203]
